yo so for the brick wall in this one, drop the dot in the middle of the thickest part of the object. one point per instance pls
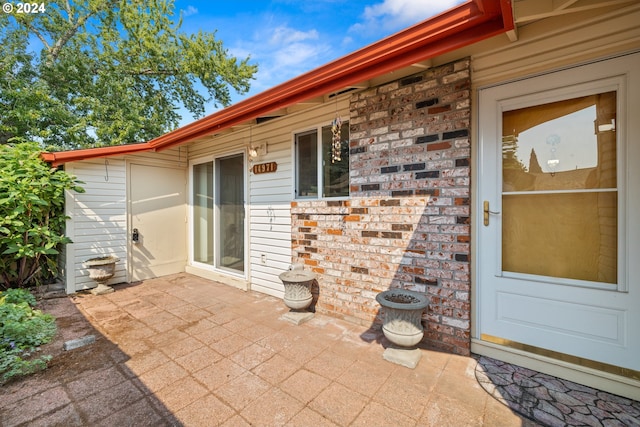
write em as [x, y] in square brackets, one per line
[406, 222]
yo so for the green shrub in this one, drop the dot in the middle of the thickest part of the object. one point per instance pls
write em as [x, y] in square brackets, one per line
[22, 330]
[32, 216]
[16, 296]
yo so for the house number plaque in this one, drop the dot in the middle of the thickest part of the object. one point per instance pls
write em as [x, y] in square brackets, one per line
[265, 167]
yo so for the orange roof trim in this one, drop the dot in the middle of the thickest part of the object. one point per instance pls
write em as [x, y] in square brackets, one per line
[463, 25]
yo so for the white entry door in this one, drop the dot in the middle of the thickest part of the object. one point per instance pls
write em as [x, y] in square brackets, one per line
[558, 253]
[158, 221]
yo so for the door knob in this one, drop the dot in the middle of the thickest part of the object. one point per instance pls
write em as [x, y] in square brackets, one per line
[487, 212]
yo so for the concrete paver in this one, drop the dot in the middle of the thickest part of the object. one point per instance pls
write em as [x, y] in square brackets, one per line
[192, 352]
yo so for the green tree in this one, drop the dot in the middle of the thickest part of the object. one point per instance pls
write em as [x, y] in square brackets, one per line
[32, 216]
[108, 72]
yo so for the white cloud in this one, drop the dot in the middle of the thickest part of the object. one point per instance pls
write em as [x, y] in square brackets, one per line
[283, 53]
[398, 14]
[283, 35]
[190, 10]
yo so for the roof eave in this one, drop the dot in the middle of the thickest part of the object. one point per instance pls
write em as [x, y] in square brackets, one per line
[468, 23]
[463, 25]
[58, 158]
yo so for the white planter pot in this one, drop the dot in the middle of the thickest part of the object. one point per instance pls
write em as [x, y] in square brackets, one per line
[297, 288]
[402, 324]
[101, 269]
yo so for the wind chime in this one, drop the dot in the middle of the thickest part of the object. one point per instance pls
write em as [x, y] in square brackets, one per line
[336, 143]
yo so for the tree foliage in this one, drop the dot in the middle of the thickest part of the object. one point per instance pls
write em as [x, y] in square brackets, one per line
[32, 216]
[108, 72]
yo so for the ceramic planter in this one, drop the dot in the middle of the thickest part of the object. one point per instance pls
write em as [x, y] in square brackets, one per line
[297, 288]
[402, 324]
[101, 269]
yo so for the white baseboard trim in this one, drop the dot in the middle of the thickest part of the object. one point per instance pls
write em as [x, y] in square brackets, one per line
[230, 280]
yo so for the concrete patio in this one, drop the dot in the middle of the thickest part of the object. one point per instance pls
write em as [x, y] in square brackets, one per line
[187, 351]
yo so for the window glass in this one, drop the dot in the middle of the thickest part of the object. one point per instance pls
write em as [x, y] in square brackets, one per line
[307, 164]
[559, 195]
[230, 209]
[335, 160]
[330, 178]
[563, 145]
[203, 213]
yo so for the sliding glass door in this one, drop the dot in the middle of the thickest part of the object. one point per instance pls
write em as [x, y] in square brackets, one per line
[218, 213]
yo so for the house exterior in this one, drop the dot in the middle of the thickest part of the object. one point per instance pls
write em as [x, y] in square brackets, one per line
[484, 157]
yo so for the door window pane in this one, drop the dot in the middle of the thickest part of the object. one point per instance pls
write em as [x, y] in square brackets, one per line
[231, 212]
[203, 213]
[561, 146]
[572, 236]
[559, 202]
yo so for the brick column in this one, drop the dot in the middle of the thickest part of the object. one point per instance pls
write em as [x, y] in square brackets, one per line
[406, 223]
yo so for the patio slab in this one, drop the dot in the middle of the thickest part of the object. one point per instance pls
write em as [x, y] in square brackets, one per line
[227, 358]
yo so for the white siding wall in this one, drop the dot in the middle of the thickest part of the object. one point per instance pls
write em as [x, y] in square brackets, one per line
[556, 42]
[98, 222]
[270, 194]
[174, 157]
[270, 197]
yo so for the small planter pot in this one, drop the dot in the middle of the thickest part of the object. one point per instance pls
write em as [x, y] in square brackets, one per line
[297, 294]
[402, 324]
[297, 288]
[101, 269]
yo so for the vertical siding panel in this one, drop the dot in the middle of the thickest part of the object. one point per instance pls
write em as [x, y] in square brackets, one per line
[98, 222]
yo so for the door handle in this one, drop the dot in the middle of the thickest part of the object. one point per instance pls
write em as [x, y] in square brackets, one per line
[487, 212]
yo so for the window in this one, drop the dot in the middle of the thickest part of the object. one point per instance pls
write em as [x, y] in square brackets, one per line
[322, 169]
[559, 187]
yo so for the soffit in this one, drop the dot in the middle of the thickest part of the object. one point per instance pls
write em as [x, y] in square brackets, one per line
[525, 11]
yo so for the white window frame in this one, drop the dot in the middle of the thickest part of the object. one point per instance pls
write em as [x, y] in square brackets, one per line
[320, 166]
[213, 158]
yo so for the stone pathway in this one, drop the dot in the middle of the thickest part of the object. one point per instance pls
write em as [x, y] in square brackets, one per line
[553, 401]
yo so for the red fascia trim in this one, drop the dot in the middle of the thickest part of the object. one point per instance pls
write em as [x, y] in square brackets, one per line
[60, 157]
[461, 26]
[507, 15]
[353, 68]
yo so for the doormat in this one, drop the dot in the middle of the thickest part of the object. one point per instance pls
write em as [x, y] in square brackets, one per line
[552, 401]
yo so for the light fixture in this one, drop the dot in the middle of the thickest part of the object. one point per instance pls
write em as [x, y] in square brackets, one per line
[258, 150]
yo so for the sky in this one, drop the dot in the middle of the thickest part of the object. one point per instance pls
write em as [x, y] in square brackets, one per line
[286, 38]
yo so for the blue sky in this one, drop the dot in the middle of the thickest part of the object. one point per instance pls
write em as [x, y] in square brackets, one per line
[289, 37]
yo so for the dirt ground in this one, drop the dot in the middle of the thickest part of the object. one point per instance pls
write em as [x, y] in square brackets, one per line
[71, 324]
